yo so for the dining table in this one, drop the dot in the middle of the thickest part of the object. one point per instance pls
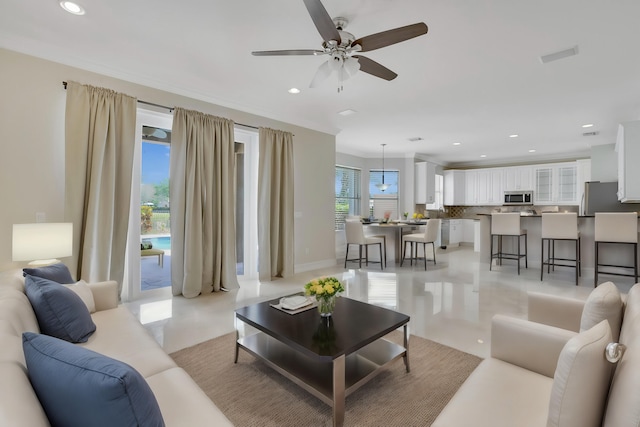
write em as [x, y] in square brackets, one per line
[394, 230]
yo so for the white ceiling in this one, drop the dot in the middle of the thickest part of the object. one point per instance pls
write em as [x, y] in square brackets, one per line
[475, 78]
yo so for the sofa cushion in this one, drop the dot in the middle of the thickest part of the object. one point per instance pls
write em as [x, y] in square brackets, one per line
[60, 312]
[604, 302]
[16, 313]
[498, 394]
[78, 387]
[84, 292]
[19, 405]
[121, 336]
[57, 272]
[182, 401]
[581, 381]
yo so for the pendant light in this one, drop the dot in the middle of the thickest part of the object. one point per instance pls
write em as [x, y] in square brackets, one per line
[382, 186]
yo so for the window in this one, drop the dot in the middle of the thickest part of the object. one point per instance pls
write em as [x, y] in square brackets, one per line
[381, 202]
[347, 194]
[438, 201]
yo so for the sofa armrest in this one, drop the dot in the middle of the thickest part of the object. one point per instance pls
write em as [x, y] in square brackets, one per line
[105, 294]
[552, 310]
[530, 345]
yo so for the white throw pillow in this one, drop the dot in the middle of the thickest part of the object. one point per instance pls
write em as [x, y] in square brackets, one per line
[604, 303]
[581, 380]
[84, 292]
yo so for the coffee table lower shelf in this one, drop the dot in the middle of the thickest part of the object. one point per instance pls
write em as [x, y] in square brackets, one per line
[317, 377]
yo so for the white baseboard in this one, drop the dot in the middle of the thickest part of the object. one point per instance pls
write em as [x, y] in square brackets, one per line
[327, 263]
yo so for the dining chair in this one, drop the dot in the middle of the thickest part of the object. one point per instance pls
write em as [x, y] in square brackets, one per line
[354, 231]
[430, 235]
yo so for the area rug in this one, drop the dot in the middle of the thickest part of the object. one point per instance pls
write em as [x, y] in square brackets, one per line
[251, 394]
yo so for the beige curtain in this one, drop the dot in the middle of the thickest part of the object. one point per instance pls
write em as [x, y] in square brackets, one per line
[201, 190]
[275, 204]
[100, 135]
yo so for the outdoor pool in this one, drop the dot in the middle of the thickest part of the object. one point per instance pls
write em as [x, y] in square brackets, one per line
[162, 242]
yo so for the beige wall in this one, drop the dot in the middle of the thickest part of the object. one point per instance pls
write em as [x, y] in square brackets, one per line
[32, 104]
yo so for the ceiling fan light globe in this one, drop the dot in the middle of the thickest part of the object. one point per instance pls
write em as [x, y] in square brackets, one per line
[323, 72]
[351, 65]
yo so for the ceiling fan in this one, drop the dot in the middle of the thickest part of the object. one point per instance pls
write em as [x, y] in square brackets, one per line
[342, 46]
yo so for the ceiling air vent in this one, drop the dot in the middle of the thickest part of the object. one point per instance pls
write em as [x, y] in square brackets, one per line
[593, 133]
[559, 55]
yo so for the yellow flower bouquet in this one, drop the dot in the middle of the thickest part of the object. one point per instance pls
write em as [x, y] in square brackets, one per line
[325, 289]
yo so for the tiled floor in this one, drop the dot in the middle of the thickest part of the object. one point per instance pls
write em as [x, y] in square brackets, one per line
[451, 303]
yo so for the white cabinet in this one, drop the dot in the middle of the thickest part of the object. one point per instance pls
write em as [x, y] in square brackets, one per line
[454, 188]
[468, 230]
[518, 178]
[471, 233]
[424, 183]
[556, 184]
[471, 187]
[628, 148]
[455, 232]
[484, 186]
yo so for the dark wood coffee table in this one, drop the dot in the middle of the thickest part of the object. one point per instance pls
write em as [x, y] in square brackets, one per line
[330, 359]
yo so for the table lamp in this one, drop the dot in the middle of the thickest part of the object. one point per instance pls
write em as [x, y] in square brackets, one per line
[41, 243]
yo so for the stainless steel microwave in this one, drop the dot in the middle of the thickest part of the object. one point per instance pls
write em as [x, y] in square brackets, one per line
[518, 198]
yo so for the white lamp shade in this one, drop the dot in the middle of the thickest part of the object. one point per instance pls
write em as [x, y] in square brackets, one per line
[42, 241]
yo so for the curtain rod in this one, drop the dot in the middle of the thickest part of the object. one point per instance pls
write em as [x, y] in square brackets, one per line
[170, 108]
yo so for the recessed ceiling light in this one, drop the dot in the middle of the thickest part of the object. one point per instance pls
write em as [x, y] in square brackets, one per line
[483, 155]
[347, 112]
[457, 143]
[294, 90]
[532, 151]
[72, 7]
[515, 135]
[588, 125]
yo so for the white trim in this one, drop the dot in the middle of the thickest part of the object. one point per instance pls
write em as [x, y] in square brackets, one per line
[250, 139]
[132, 281]
[317, 265]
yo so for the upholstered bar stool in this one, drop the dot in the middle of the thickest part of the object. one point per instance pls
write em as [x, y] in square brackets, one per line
[563, 227]
[620, 228]
[507, 224]
[355, 236]
[430, 235]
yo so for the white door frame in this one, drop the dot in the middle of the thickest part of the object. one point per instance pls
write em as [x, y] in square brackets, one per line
[132, 280]
[250, 139]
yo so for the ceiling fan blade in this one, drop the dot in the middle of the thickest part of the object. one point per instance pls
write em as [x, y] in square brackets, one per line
[389, 37]
[370, 66]
[323, 72]
[323, 21]
[287, 52]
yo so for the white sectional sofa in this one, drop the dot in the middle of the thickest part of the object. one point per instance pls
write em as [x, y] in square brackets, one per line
[530, 380]
[118, 335]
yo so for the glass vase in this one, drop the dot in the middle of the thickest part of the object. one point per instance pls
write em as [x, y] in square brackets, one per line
[326, 305]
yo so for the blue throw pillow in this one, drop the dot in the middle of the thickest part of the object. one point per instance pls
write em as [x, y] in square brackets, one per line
[60, 311]
[57, 272]
[79, 387]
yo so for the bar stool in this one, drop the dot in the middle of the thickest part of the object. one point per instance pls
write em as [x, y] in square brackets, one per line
[507, 224]
[619, 228]
[430, 235]
[355, 236]
[560, 226]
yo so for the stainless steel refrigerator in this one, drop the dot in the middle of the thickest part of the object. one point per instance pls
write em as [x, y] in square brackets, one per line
[602, 197]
